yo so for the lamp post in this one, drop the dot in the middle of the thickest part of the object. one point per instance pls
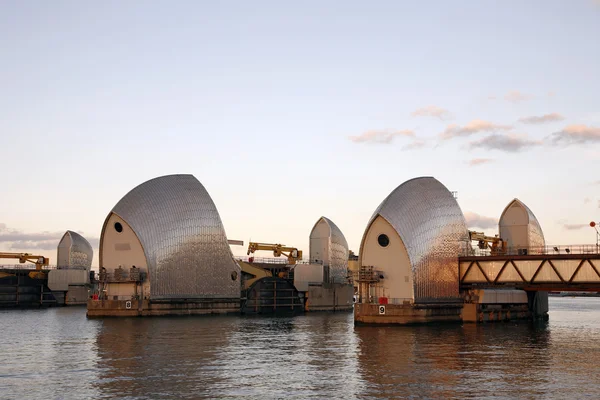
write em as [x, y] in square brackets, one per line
[593, 225]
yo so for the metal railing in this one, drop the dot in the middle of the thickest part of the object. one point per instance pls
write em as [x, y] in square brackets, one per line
[122, 275]
[390, 300]
[274, 260]
[366, 274]
[25, 266]
[577, 249]
[264, 260]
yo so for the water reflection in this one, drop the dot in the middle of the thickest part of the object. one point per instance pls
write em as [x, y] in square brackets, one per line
[159, 357]
[61, 354]
[452, 361]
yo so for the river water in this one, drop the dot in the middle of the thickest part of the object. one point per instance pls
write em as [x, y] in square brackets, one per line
[60, 354]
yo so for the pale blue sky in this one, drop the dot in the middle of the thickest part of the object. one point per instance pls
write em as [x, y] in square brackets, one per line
[259, 100]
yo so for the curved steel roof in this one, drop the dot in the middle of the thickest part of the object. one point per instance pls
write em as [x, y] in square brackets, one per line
[536, 234]
[183, 238]
[338, 251]
[80, 250]
[432, 227]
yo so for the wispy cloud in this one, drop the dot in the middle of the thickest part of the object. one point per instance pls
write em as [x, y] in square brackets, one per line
[473, 127]
[432, 111]
[475, 220]
[478, 161]
[511, 143]
[514, 96]
[552, 94]
[542, 119]
[492, 97]
[416, 144]
[576, 134]
[386, 136]
[17, 240]
[573, 227]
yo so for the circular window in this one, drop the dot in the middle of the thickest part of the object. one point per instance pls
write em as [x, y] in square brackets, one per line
[118, 227]
[234, 275]
[383, 240]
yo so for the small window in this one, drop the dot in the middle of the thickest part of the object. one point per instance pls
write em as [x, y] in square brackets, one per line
[383, 240]
[118, 227]
[234, 275]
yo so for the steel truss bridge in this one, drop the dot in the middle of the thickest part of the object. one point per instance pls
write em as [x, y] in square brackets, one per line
[549, 268]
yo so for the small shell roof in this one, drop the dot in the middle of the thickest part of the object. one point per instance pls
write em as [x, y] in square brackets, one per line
[536, 232]
[336, 234]
[81, 252]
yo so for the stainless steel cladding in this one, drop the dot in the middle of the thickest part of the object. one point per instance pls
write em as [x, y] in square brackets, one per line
[336, 247]
[183, 239]
[74, 251]
[433, 229]
[535, 236]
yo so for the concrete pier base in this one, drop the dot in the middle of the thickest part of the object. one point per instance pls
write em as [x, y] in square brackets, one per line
[491, 305]
[478, 313]
[330, 297]
[139, 308]
[406, 314]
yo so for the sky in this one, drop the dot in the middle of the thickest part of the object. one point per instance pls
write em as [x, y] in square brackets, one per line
[287, 111]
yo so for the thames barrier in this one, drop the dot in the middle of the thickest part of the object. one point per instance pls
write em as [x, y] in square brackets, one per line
[164, 251]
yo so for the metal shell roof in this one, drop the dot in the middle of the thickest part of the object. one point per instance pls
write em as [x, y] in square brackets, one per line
[183, 238]
[80, 250]
[432, 227]
[338, 251]
[536, 234]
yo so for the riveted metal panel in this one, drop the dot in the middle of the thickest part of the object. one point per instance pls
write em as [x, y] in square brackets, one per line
[433, 229]
[79, 251]
[338, 252]
[183, 239]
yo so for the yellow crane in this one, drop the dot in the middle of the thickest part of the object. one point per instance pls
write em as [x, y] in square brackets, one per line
[292, 253]
[494, 243]
[39, 261]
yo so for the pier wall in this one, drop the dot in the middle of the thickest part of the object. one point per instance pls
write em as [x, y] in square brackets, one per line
[138, 308]
[406, 314]
[331, 297]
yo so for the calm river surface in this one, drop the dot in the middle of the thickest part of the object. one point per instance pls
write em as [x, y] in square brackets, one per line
[59, 354]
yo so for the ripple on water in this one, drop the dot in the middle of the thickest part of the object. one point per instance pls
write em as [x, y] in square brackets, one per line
[58, 353]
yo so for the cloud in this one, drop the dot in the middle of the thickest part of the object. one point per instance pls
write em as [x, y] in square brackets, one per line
[432, 111]
[475, 126]
[17, 240]
[478, 161]
[572, 227]
[514, 96]
[576, 134]
[416, 144]
[381, 136]
[552, 117]
[492, 97]
[552, 94]
[587, 200]
[511, 143]
[479, 221]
